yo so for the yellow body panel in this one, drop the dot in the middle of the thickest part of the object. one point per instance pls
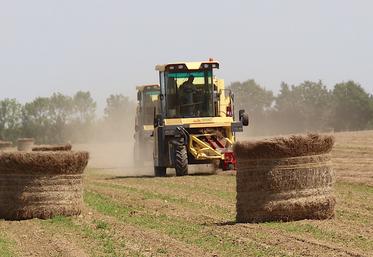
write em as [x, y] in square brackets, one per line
[209, 122]
[199, 149]
[148, 127]
[225, 98]
[201, 122]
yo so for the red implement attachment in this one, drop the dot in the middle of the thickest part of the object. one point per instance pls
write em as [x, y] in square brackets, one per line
[229, 162]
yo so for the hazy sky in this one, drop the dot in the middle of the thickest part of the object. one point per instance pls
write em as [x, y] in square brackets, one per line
[110, 46]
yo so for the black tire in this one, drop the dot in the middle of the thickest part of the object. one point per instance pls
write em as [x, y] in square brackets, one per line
[159, 171]
[181, 160]
[245, 119]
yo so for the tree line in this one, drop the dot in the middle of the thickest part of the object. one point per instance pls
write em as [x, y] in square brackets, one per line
[307, 107]
[61, 118]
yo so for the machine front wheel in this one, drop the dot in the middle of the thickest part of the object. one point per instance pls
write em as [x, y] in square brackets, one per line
[159, 171]
[181, 160]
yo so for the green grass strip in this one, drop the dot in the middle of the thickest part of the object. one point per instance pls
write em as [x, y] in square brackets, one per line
[191, 233]
[195, 188]
[6, 246]
[356, 198]
[182, 201]
[356, 188]
[99, 232]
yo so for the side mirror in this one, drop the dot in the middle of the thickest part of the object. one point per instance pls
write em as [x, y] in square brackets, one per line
[244, 117]
[138, 96]
[158, 120]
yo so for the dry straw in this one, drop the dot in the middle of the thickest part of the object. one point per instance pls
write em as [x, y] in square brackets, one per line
[41, 184]
[25, 144]
[284, 147]
[42, 148]
[285, 178]
[5, 145]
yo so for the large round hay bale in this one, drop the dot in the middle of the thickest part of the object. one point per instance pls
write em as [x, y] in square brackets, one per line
[285, 178]
[43, 148]
[25, 144]
[5, 145]
[41, 184]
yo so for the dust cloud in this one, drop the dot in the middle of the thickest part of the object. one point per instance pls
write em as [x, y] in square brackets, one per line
[116, 159]
[111, 148]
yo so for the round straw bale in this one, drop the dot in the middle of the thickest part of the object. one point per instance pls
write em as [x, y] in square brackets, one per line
[41, 184]
[42, 148]
[25, 144]
[285, 147]
[293, 184]
[5, 145]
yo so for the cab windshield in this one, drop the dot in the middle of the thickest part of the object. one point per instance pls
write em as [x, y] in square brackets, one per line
[189, 94]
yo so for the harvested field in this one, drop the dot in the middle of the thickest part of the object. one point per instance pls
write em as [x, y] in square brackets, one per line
[41, 185]
[352, 157]
[53, 148]
[285, 178]
[195, 216]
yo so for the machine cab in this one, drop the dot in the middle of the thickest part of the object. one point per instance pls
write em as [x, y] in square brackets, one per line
[148, 98]
[187, 89]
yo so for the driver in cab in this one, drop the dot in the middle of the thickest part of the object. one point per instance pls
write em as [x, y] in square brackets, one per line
[188, 89]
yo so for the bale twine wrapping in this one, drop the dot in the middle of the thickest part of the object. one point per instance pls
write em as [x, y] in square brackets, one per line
[25, 144]
[285, 178]
[5, 145]
[41, 184]
[42, 148]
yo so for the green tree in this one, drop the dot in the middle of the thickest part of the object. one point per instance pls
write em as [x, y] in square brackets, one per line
[10, 119]
[352, 107]
[117, 108]
[84, 107]
[256, 101]
[47, 119]
[119, 116]
[84, 111]
[60, 114]
[302, 108]
[251, 96]
[36, 120]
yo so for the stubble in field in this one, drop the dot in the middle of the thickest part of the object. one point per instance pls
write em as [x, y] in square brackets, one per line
[195, 215]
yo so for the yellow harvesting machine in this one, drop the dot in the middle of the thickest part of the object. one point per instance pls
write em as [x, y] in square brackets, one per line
[147, 100]
[194, 120]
